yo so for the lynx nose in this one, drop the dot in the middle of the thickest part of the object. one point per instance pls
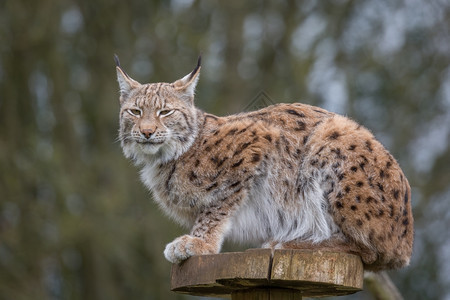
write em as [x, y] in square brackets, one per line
[147, 132]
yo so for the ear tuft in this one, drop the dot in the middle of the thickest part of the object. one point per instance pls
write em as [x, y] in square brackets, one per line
[126, 83]
[197, 68]
[116, 59]
[186, 85]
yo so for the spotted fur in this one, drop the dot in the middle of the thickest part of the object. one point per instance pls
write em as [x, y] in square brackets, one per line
[286, 176]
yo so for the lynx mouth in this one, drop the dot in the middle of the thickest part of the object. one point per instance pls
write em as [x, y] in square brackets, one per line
[146, 142]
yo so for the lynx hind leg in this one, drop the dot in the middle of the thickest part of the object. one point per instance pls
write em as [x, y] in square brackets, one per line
[368, 194]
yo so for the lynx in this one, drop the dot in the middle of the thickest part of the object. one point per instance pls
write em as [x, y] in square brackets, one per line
[286, 176]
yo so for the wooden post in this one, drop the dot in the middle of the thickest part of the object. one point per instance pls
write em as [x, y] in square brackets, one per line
[257, 274]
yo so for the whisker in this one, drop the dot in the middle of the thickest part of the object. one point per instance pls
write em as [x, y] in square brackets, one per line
[123, 137]
[137, 137]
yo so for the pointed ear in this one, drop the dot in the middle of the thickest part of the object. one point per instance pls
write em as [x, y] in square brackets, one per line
[126, 83]
[186, 85]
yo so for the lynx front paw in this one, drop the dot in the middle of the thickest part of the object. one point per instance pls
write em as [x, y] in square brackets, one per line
[186, 246]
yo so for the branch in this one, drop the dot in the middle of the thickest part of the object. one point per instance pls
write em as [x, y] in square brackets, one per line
[381, 286]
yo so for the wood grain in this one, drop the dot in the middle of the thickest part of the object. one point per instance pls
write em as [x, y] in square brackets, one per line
[289, 274]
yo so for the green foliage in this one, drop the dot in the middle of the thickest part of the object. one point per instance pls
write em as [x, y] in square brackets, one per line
[75, 222]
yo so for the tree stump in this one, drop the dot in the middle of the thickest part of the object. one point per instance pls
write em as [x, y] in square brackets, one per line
[257, 274]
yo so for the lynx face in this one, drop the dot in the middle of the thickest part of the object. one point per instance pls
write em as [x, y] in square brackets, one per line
[156, 120]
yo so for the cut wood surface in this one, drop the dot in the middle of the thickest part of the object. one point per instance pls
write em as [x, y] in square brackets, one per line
[302, 272]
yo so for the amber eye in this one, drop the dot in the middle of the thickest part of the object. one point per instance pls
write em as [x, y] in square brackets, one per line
[135, 112]
[165, 112]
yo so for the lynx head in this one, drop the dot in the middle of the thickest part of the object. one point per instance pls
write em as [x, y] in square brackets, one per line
[158, 121]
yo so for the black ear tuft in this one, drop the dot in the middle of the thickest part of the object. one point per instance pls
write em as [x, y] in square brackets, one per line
[116, 59]
[199, 63]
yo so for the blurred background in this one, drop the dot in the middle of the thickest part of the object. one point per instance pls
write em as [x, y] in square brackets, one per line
[76, 223]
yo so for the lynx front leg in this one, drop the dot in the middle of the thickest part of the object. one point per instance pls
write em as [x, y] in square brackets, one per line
[186, 246]
[208, 233]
